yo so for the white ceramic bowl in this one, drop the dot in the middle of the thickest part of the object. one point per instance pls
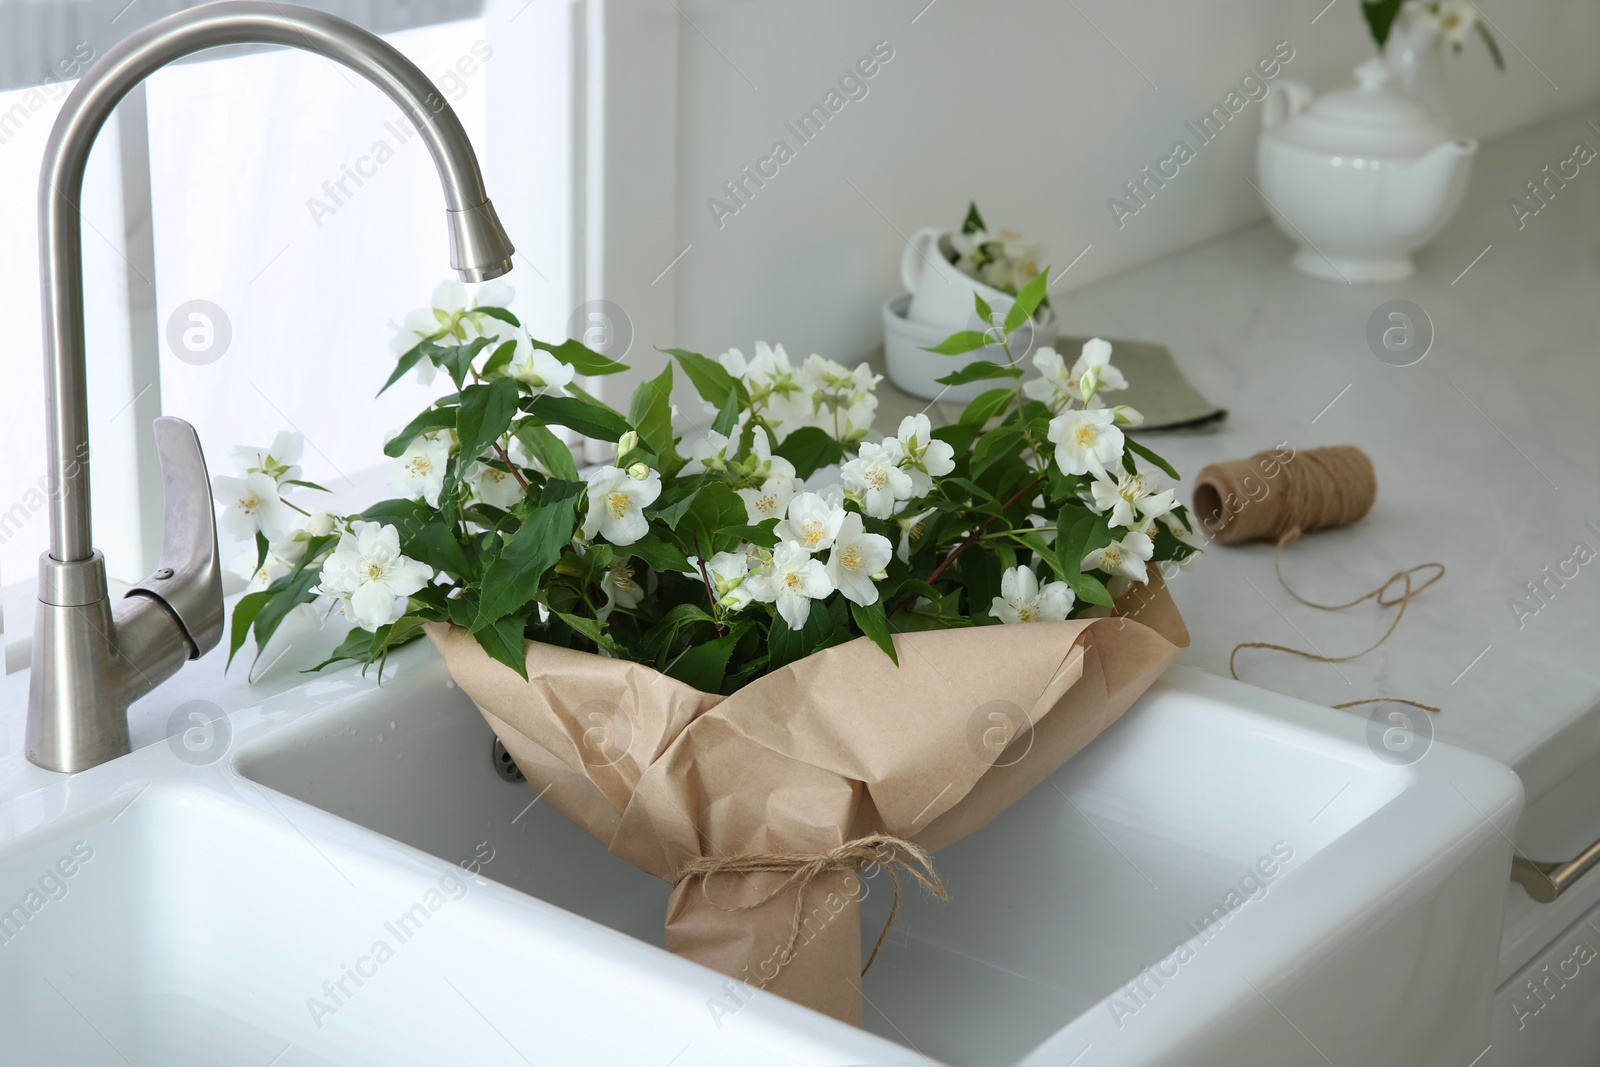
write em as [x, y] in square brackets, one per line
[916, 371]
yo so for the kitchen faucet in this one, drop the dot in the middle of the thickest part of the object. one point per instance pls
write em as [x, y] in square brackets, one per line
[90, 660]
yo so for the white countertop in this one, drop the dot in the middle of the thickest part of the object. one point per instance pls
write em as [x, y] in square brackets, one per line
[1486, 454]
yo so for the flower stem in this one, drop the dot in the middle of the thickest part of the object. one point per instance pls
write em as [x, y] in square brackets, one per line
[705, 577]
[973, 537]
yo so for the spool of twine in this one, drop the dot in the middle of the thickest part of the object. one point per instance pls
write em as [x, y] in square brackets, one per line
[1272, 493]
[893, 854]
[1278, 495]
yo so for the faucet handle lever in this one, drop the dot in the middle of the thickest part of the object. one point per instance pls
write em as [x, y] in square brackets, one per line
[189, 580]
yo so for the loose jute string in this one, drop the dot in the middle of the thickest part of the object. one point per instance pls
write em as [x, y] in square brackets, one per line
[1301, 492]
[803, 868]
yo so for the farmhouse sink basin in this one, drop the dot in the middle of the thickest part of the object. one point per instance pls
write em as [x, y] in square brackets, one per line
[1226, 876]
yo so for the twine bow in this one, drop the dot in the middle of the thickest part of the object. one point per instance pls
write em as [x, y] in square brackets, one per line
[803, 868]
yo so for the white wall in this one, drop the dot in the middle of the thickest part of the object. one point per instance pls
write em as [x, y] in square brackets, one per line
[1040, 110]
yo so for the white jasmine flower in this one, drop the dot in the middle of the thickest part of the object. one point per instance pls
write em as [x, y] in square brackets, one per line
[1094, 371]
[912, 529]
[857, 560]
[778, 483]
[1176, 525]
[278, 462]
[318, 524]
[1126, 557]
[769, 501]
[727, 572]
[367, 571]
[1456, 20]
[494, 486]
[418, 472]
[253, 507]
[258, 578]
[1086, 441]
[927, 459]
[620, 589]
[1131, 498]
[450, 321]
[811, 522]
[1054, 388]
[1022, 599]
[710, 453]
[791, 581]
[876, 476]
[539, 370]
[617, 499]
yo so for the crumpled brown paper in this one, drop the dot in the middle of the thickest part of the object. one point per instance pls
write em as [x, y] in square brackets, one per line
[830, 748]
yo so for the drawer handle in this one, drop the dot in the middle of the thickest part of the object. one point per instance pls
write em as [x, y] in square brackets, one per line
[1546, 881]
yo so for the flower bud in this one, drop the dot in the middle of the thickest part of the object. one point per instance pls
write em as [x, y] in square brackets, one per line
[639, 471]
[627, 443]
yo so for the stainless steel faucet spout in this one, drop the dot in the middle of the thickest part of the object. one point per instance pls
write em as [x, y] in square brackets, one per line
[90, 661]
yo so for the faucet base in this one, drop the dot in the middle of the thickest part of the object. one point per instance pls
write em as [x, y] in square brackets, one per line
[84, 672]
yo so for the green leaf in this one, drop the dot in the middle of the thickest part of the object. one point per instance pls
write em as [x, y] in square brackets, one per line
[709, 378]
[244, 614]
[585, 360]
[1089, 588]
[978, 371]
[548, 450]
[485, 413]
[986, 406]
[728, 417]
[703, 665]
[1166, 468]
[430, 421]
[715, 509]
[500, 359]
[1380, 15]
[960, 343]
[503, 641]
[590, 419]
[581, 357]
[1489, 42]
[651, 412]
[457, 359]
[1028, 301]
[985, 312]
[594, 631]
[973, 223]
[875, 624]
[408, 360]
[287, 593]
[263, 546]
[784, 645]
[657, 554]
[498, 313]
[809, 448]
[512, 580]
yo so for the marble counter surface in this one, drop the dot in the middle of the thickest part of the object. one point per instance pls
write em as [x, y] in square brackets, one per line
[1486, 453]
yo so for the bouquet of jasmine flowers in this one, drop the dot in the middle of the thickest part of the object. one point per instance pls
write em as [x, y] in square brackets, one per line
[784, 634]
[1002, 260]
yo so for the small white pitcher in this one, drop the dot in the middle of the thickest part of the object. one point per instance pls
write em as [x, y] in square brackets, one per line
[940, 294]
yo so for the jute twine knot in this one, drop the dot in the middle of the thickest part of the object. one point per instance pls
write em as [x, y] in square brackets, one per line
[1299, 493]
[893, 854]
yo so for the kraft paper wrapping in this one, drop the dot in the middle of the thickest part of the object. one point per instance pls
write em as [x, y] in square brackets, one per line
[830, 748]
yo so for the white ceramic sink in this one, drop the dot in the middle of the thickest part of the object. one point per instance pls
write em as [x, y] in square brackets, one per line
[1091, 924]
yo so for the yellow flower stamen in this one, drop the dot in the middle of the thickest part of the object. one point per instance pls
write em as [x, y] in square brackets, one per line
[853, 559]
[618, 504]
[1085, 436]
